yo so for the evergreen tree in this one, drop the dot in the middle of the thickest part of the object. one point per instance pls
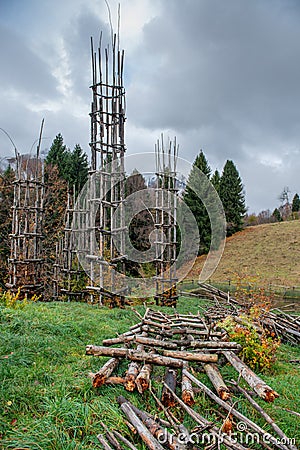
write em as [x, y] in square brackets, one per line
[296, 203]
[76, 171]
[194, 203]
[277, 216]
[215, 180]
[58, 155]
[232, 197]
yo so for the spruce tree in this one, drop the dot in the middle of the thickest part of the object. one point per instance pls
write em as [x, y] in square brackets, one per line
[196, 206]
[296, 203]
[58, 155]
[76, 170]
[233, 198]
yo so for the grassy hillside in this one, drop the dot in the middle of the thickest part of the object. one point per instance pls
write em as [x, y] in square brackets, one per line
[269, 252]
[46, 398]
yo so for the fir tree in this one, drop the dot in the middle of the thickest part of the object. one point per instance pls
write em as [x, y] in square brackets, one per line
[233, 198]
[195, 204]
[296, 203]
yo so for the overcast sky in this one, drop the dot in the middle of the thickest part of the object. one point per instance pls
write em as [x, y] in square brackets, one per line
[223, 76]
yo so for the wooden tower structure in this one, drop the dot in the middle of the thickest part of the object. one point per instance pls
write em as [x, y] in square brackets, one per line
[107, 175]
[26, 256]
[165, 222]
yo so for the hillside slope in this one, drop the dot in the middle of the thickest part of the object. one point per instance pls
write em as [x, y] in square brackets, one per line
[269, 252]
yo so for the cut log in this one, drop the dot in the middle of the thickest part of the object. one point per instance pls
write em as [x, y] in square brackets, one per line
[134, 355]
[215, 377]
[142, 430]
[188, 356]
[130, 377]
[187, 393]
[256, 383]
[170, 380]
[143, 379]
[100, 377]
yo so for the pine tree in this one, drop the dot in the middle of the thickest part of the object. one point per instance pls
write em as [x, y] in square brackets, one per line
[196, 206]
[233, 198]
[296, 203]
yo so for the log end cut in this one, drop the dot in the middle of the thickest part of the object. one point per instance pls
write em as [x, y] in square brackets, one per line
[270, 395]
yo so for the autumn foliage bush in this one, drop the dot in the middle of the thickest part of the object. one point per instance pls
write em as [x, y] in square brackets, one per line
[258, 349]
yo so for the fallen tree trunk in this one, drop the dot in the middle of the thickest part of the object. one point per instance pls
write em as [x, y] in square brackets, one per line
[256, 383]
[134, 355]
[215, 377]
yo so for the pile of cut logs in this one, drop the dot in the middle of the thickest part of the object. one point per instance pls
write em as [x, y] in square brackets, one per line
[183, 344]
[284, 326]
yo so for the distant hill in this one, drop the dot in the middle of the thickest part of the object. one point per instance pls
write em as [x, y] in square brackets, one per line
[269, 252]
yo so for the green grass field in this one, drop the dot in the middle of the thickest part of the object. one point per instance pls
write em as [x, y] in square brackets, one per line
[46, 398]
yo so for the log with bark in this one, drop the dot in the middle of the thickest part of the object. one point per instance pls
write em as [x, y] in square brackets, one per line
[134, 355]
[143, 379]
[100, 377]
[187, 392]
[131, 375]
[188, 356]
[256, 383]
[215, 377]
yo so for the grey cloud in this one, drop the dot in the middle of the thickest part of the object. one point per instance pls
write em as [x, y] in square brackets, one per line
[22, 70]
